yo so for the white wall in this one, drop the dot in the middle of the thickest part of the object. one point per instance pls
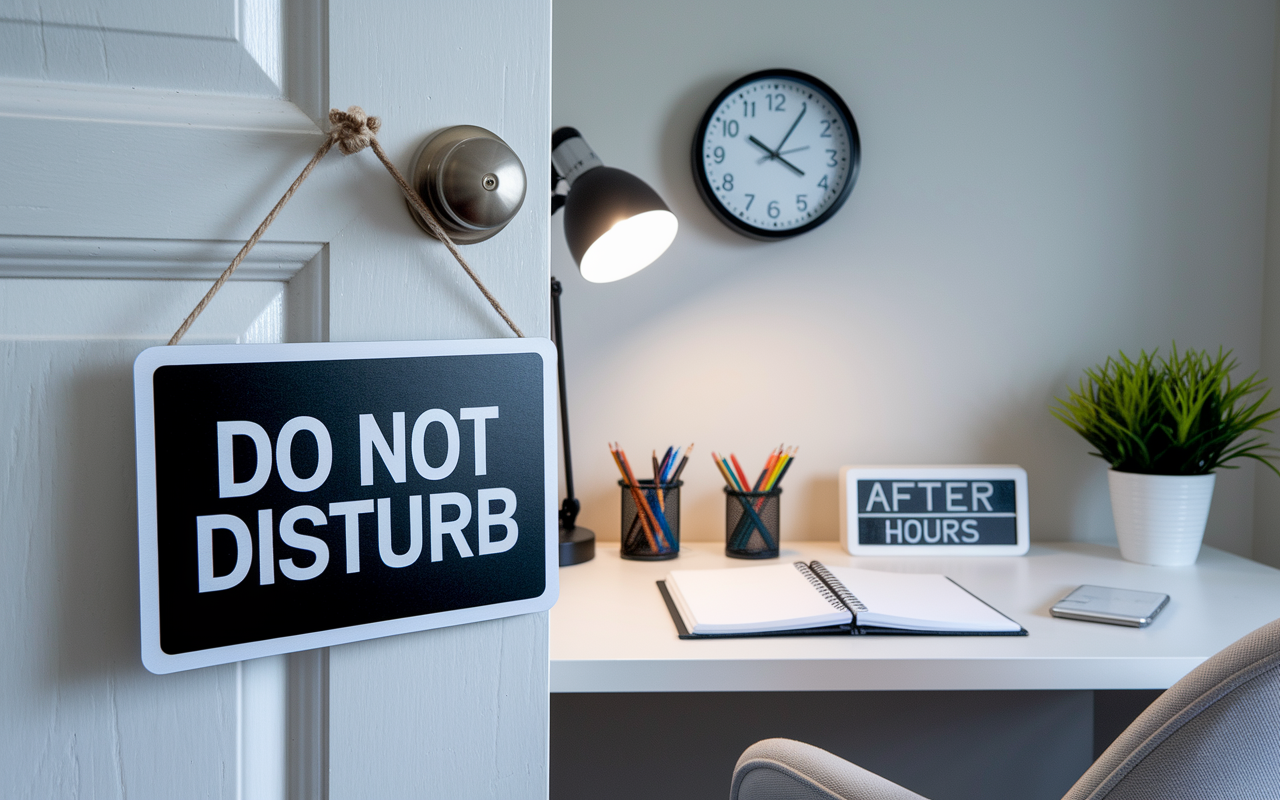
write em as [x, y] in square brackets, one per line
[1042, 185]
[1266, 529]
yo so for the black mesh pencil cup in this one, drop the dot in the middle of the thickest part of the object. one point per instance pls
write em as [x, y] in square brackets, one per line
[751, 523]
[650, 530]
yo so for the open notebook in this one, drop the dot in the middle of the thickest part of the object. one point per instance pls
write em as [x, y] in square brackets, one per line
[800, 598]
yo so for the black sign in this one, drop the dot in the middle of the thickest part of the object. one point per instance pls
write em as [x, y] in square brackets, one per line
[937, 512]
[978, 509]
[296, 496]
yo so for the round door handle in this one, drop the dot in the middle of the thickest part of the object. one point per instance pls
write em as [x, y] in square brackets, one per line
[471, 180]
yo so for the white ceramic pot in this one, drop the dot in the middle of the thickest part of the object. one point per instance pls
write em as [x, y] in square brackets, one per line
[1160, 518]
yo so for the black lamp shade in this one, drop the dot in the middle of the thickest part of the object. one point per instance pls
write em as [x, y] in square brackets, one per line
[610, 201]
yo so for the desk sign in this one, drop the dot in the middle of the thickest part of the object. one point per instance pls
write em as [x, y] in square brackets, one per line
[930, 511]
[298, 496]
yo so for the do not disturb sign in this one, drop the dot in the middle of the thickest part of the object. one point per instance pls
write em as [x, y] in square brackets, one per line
[300, 496]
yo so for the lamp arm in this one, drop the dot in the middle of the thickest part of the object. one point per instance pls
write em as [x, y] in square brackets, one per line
[557, 200]
[570, 507]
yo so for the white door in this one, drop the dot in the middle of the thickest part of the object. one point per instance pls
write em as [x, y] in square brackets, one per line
[143, 141]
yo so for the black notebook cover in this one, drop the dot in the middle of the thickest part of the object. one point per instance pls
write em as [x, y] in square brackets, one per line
[829, 630]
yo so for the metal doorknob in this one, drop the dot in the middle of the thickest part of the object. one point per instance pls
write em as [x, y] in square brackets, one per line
[471, 180]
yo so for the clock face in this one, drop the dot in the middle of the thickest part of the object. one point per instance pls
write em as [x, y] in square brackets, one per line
[776, 154]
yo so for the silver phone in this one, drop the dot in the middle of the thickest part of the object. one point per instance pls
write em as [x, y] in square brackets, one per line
[1112, 606]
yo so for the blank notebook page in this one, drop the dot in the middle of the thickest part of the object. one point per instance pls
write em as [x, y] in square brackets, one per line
[918, 602]
[773, 598]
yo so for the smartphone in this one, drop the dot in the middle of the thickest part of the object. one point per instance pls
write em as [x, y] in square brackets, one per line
[1112, 606]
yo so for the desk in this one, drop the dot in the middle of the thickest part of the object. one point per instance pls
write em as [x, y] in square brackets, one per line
[610, 631]
[932, 713]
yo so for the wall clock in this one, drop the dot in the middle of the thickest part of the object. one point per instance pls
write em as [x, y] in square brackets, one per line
[776, 154]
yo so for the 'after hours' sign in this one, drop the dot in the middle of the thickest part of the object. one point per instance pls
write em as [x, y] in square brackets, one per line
[931, 511]
[300, 496]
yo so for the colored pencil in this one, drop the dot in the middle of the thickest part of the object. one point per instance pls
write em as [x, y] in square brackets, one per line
[657, 483]
[683, 461]
[723, 472]
[783, 472]
[657, 518]
[768, 469]
[663, 464]
[732, 479]
[740, 472]
[644, 525]
[770, 477]
[668, 463]
[659, 526]
[636, 497]
[777, 470]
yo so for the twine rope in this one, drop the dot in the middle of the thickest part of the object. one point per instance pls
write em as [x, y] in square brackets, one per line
[352, 131]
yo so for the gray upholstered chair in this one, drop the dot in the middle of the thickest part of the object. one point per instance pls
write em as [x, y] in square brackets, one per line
[1213, 734]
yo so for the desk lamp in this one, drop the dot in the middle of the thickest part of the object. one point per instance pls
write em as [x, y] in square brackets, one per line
[616, 226]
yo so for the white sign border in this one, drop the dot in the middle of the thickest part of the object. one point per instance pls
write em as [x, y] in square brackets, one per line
[161, 663]
[849, 514]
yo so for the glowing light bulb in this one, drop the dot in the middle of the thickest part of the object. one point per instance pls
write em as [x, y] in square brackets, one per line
[629, 246]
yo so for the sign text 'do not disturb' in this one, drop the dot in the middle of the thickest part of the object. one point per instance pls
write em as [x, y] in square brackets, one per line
[300, 496]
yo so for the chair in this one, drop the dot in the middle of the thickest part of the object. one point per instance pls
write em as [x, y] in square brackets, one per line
[1213, 734]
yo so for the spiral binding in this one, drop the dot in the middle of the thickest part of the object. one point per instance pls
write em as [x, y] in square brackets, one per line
[847, 597]
[820, 586]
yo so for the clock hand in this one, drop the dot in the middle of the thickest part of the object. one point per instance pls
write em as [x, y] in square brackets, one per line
[762, 146]
[763, 159]
[789, 165]
[803, 108]
[773, 155]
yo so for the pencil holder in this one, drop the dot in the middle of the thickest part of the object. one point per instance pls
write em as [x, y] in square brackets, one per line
[751, 523]
[650, 532]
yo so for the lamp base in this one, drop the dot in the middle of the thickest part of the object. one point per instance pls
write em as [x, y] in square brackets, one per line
[577, 544]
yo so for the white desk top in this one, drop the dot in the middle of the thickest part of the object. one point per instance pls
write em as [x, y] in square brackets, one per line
[611, 632]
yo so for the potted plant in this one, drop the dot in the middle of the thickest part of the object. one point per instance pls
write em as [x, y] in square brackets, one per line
[1165, 425]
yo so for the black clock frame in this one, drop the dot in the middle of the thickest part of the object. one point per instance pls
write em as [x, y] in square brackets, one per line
[700, 172]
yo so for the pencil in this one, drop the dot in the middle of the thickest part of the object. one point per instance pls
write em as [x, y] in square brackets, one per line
[723, 472]
[782, 472]
[780, 465]
[768, 468]
[643, 509]
[683, 461]
[630, 534]
[742, 474]
[657, 483]
[659, 526]
[669, 463]
[636, 498]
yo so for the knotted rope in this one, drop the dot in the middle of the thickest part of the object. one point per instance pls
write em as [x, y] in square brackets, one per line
[352, 131]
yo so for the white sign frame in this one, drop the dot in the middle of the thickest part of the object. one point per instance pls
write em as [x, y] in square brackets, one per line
[850, 513]
[160, 662]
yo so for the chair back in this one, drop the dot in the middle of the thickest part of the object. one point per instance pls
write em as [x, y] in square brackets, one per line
[1213, 734]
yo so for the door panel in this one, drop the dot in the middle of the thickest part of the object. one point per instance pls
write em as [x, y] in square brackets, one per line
[146, 140]
[81, 716]
[225, 46]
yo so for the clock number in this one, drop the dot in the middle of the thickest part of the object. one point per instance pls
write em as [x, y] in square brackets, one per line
[749, 109]
[801, 204]
[729, 128]
[726, 183]
[779, 106]
[832, 162]
[826, 129]
[751, 198]
[774, 211]
[823, 183]
[719, 155]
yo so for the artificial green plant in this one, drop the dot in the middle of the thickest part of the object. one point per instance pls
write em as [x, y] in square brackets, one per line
[1180, 415]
